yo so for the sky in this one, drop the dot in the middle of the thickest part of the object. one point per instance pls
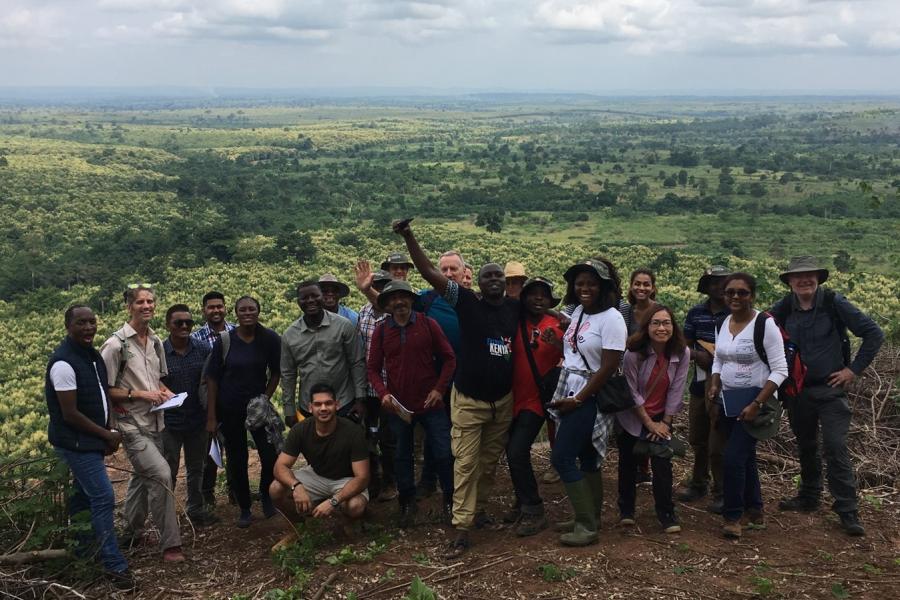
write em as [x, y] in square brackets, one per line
[597, 46]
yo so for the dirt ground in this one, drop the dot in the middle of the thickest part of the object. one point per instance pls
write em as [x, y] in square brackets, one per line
[796, 556]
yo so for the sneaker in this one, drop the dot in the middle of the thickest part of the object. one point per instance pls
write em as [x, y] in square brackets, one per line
[732, 529]
[512, 515]
[486, 522]
[690, 494]
[670, 524]
[850, 523]
[244, 520]
[282, 544]
[123, 581]
[531, 525]
[754, 519]
[627, 521]
[643, 479]
[424, 489]
[716, 506]
[173, 555]
[459, 546]
[799, 504]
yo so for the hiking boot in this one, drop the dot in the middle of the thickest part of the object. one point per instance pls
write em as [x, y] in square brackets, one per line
[585, 530]
[173, 555]
[851, 525]
[388, 493]
[627, 521]
[425, 489]
[550, 476]
[123, 581]
[732, 529]
[691, 494]
[754, 519]
[458, 546]
[512, 515]
[244, 520]
[531, 524]
[799, 504]
[288, 539]
[717, 505]
[407, 516]
[486, 522]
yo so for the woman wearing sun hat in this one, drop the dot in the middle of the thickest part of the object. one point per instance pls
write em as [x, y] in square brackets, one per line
[592, 351]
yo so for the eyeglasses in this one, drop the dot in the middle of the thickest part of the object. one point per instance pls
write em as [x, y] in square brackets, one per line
[183, 323]
[658, 323]
[741, 293]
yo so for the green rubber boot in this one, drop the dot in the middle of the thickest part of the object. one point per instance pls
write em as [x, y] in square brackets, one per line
[585, 530]
[595, 483]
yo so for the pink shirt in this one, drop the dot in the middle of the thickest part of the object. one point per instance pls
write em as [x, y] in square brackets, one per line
[638, 373]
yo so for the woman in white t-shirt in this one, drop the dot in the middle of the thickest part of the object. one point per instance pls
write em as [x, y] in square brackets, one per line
[592, 351]
[741, 384]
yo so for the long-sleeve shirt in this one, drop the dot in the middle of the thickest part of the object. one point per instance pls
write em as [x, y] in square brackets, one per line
[368, 319]
[737, 362]
[331, 353]
[407, 353]
[638, 372]
[819, 340]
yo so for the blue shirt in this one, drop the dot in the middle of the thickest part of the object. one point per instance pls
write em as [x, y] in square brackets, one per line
[441, 311]
[208, 335]
[184, 376]
[348, 313]
[700, 324]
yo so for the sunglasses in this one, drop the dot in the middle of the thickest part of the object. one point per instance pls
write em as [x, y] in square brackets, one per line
[741, 293]
[183, 323]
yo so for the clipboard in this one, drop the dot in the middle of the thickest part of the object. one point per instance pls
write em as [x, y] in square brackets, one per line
[736, 400]
[173, 402]
[401, 411]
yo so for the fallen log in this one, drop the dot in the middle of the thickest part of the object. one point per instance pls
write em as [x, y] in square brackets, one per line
[18, 558]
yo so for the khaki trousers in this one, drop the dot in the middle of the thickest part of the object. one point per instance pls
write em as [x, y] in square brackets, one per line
[150, 487]
[477, 438]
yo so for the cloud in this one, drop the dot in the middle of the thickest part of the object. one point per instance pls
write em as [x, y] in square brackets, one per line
[37, 27]
[885, 40]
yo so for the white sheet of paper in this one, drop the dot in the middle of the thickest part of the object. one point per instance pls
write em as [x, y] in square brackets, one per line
[215, 453]
[173, 402]
[401, 411]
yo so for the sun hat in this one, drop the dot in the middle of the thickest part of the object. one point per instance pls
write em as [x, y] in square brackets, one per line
[588, 265]
[804, 264]
[514, 269]
[395, 286]
[381, 275]
[540, 281]
[397, 258]
[328, 278]
[713, 271]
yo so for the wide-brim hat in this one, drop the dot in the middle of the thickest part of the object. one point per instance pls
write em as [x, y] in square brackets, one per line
[396, 286]
[381, 275]
[514, 269]
[329, 279]
[534, 281]
[804, 264]
[397, 258]
[711, 272]
[588, 265]
[767, 420]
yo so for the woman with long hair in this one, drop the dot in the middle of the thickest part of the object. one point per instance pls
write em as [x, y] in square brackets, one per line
[741, 384]
[592, 350]
[641, 298]
[656, 367]
[249, 368]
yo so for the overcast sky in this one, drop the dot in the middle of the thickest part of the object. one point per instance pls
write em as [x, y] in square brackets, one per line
[578, 45]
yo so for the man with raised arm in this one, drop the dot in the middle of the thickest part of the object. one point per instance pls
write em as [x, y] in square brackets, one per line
[481, 400]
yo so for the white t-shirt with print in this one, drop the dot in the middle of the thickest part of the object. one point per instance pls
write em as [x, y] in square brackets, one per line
[597, 332]
[737, 362]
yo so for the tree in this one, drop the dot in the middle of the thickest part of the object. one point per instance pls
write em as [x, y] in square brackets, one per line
[843, 262]
[757, 190]
[682, 178]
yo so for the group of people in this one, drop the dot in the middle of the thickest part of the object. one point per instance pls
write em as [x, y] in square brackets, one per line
[482, 373]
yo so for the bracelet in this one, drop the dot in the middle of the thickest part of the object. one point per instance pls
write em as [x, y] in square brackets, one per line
[294, 487]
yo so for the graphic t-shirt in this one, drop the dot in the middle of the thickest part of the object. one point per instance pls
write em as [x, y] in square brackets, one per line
[330, 456]
[594, 333]
[484, 366]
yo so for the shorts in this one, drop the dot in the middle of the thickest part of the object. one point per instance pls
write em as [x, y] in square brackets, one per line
[321, 488]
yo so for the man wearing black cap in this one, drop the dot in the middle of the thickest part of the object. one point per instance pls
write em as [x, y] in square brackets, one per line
[817, 320]
[398, 265]
[481, 400]
[706, 441]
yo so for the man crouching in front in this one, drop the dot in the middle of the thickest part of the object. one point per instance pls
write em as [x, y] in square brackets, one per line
[336, 477]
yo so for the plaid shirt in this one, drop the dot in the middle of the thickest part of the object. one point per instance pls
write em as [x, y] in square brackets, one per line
[366, 327]
[208, 336]
[184, 376]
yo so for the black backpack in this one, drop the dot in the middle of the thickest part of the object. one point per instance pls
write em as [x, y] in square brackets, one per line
[786, 307]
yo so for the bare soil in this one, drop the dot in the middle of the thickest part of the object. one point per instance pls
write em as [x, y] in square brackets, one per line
[796, 556]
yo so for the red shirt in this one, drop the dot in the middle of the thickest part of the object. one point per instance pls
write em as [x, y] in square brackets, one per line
[408, 355]
[525, 392]
[655, 402]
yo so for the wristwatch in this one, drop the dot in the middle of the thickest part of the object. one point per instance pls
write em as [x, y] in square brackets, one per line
[130, 397]
[759, 404]
[334, 502]
[294, 487]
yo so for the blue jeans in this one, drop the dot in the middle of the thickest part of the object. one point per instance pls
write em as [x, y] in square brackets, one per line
[573, 442]
[94, 492]
[437, 439]
[740, 475]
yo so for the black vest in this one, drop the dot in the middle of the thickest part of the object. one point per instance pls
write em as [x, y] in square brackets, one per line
[88, 398]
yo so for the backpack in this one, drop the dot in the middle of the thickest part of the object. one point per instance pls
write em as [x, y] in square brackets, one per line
[786, 307]
[793, 385]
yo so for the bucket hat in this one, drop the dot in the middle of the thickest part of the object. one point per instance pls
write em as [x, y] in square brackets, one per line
[713, 271]
[343, 288]
[589, 265]
[766, 423]
[397, 258]
[381, 275]
[540, 281]
[804, 264]
[395, 287]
